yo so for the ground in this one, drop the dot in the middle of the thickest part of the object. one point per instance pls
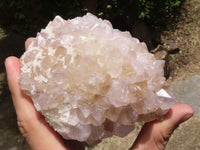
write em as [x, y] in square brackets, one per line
[184, 63]
[187, 37]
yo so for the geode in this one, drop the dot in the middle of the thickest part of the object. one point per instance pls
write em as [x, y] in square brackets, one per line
[91, 81]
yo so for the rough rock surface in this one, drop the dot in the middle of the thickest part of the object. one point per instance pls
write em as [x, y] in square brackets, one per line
[91, 81]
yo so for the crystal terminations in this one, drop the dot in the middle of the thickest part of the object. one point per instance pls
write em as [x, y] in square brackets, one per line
[91, 81]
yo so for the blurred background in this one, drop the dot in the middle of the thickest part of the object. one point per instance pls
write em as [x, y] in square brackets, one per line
[170, 28]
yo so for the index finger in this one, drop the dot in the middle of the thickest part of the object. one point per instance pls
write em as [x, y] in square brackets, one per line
[23, 104]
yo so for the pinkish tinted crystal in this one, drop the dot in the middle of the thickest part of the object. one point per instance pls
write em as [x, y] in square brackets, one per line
[91, 81]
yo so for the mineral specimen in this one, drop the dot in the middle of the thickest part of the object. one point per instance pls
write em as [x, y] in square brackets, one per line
[91, 81]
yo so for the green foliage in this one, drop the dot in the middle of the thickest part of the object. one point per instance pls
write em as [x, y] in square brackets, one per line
[29, 16]
[151, 11]
[152, 8]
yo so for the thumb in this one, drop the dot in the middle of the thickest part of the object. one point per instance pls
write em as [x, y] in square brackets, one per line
[154, 135]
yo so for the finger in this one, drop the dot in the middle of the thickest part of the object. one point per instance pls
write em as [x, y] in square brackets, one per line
[12, 65]
[154, 135]
[28, 41]
[22, 103]
[31, 123]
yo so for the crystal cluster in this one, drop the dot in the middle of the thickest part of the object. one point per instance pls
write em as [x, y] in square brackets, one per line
[91, 81]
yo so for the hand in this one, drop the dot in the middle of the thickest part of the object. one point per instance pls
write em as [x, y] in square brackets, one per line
[40, 136]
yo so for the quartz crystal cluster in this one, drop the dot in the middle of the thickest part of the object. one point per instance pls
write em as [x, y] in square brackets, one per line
[91, 81]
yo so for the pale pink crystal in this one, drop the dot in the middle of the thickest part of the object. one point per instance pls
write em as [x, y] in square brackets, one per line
[91, 81]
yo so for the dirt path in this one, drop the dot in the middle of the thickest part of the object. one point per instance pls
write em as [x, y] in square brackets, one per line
[187, 38]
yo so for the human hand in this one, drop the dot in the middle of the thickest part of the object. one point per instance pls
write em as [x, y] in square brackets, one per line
[40, 136]
[38, 133]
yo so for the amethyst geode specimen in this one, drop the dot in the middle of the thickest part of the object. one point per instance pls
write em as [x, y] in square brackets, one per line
[91, 81]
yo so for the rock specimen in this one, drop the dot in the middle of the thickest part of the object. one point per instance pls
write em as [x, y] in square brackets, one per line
[91, 81]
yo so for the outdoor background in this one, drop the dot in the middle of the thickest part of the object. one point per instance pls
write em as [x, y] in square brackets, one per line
[170, 28]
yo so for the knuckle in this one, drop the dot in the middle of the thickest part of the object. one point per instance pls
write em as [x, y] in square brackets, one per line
[23, 129]
[161, 140]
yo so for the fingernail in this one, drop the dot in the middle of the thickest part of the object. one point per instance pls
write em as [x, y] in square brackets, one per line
[186, 117]
[27, 42]
[5, 61]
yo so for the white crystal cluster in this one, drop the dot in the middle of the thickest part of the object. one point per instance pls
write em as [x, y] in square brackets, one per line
[91, 81]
